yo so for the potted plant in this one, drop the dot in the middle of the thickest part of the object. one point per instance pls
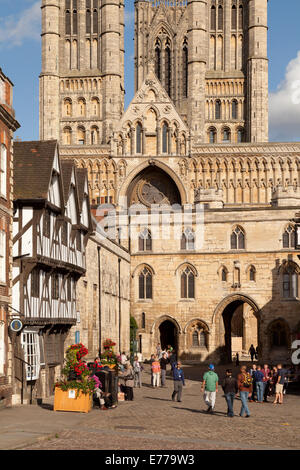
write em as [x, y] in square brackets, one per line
[75, 390]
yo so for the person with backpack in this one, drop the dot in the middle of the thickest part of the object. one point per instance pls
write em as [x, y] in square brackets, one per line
[210, 388]
[245, 387]
[155, 368]
[230, 388]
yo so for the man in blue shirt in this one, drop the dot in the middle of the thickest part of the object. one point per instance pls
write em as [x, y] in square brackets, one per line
[258, 377]
[178, 377]
[279, 385]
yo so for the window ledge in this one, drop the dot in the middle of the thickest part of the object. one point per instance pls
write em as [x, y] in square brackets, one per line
[187, 300]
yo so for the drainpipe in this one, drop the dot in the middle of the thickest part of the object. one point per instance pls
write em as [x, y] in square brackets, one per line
[99, 296]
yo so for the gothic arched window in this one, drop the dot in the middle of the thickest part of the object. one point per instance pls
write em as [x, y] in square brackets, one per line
[165, 146]
[185, 69]
[212, 135]
[187, 284]
[168, 68]
[290, 281]
[95, 21]
[234, 109]
[289, 237]
[226, 135]
[81, 135]
[233, 17]
[81, 107]
[252, 274]
[158, 59]
[67, 107]
[188, 240]
[67, 136]
[218, 109]
[220, 17]
[145, 240]
[75, 24]
[237, 240]
[213, 16]
[68, 17]
[241, 17]
[145, 284]
[138, 132]
[88, 20]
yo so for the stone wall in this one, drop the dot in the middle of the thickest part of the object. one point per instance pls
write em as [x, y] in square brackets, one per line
[99, 320]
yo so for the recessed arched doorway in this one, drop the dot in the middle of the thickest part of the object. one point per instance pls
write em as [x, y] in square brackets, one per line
[238, 318]
[168, 335]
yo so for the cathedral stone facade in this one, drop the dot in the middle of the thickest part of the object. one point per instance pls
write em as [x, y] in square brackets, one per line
[213, 205]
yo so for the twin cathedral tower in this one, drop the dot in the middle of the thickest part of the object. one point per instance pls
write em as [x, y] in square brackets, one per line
[209, 55]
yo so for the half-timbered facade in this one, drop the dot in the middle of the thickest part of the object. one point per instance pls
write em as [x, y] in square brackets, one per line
[8, 125]
[52, 223]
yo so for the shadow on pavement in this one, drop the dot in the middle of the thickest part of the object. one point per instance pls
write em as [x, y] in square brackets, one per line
[204, 412]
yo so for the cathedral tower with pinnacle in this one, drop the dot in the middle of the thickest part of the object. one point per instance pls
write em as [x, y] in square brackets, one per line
[82, 78]
[211, 57]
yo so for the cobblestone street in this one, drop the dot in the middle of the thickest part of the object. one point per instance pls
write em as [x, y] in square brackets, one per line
[154, 421]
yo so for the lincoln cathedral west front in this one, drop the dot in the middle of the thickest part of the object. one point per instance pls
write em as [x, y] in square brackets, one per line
[195, 136]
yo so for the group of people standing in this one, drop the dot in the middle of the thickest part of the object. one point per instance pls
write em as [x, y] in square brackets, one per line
[254, 385]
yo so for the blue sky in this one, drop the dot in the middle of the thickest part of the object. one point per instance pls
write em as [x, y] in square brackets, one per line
[20, 59]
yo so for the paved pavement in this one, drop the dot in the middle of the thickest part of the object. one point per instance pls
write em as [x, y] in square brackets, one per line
[153, 421]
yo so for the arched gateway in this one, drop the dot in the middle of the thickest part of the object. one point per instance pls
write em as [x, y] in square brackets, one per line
[166, 331]
[236, 323]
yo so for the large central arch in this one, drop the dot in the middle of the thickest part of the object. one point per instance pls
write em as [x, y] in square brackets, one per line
[236, 321]
[151, 165]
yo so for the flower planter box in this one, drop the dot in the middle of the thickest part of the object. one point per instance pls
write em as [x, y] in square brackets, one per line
[70, 401]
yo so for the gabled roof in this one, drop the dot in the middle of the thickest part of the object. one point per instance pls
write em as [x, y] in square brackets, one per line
[67, 168]
[162, 104]
[82, 176]
[33, 164]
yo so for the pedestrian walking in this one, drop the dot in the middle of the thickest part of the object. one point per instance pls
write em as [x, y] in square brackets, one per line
[245, 387]
[158, 350]
[252, 352]
[230, 388]
[137, 371]
[259, 377]
[164, 361]
[237, 359]
[178, 378]
[155, 367]
[210, 388]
